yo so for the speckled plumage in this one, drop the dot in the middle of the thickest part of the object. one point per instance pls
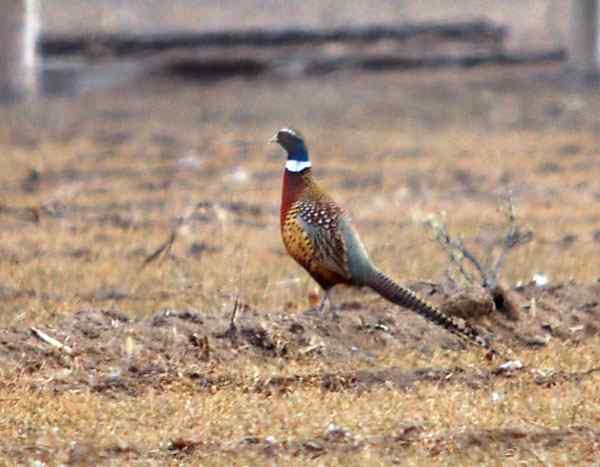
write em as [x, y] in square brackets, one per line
[319, 235]
[310, 230]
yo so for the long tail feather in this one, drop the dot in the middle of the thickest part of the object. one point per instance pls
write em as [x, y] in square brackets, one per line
[406, 298]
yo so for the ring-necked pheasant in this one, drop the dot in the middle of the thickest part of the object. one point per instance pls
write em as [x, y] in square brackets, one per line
[319, 235]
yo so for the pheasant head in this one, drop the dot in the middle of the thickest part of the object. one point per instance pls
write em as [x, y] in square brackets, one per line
[293, 143]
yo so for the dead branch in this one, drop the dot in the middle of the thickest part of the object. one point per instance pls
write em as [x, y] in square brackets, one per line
[233, 319]
[455, 249]
[164, 250]
[514, 237]
[51, 341]
[164, 247]
[232, 329]
[490, 270]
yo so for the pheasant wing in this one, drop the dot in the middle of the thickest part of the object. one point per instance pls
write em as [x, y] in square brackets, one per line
[321, 223]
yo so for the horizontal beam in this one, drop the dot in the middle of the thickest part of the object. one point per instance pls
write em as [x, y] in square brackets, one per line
[125, 44]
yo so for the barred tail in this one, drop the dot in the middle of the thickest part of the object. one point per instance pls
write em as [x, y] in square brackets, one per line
[402, 296]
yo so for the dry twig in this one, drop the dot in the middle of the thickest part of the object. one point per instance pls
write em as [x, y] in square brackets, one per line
[51, 341]
[489, 271]
[164, 250]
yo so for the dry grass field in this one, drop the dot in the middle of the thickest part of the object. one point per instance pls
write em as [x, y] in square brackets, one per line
[91, 186]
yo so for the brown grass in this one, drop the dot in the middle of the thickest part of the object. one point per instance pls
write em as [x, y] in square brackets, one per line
[117, 169]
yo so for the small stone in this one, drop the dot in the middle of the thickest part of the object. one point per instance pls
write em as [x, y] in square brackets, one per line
[238, 175]
[335, 431]
[540, 279]
[313, 446]
[536, 341]
[511, 365]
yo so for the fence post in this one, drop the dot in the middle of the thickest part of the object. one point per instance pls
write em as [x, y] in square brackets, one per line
[583, 37]
[19, 26]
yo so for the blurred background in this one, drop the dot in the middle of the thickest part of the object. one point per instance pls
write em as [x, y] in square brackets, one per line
[46, 37]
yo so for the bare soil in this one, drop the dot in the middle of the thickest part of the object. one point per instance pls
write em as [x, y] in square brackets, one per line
[126, 355]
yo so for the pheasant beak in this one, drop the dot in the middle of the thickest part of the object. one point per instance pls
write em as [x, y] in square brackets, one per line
[274, 139]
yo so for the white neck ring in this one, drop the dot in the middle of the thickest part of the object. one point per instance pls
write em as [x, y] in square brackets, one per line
[296, 166]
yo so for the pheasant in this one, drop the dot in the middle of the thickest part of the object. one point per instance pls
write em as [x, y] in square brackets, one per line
[319, 235]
